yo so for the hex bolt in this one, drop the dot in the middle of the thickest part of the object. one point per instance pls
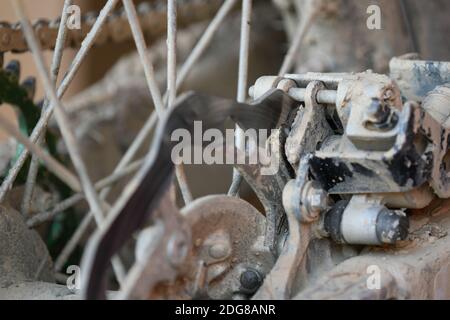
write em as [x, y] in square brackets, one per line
[250, 280]
[376, 112]
[315, 200]
[318, 199]
[307, 202]
[379, 116]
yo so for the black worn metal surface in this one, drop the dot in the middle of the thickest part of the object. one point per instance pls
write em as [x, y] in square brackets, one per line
[399, 169]
[152, 181]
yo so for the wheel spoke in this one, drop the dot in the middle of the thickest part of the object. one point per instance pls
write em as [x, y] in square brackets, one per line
[196, 53]
[198, 50]
[304, 25]
[61, 117]
[51, 163]
[52, 104]
[144, 56]
[204, 41]
[172, 86]
[171, 51]
[126, 159]
[64, 126]
[73, 242]
[102, 184]
[242, 84]
[56, 64]
[43, 121]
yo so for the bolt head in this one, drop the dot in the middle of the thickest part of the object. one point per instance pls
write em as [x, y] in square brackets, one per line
[250, 280]
[314, 200]
[318, 200]
[375, 111]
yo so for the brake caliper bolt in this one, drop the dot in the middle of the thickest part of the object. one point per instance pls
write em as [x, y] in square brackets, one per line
[318, 199]
[376, 112]
[315, 200]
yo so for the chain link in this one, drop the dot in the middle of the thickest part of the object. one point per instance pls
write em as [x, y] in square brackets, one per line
[152, 17]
